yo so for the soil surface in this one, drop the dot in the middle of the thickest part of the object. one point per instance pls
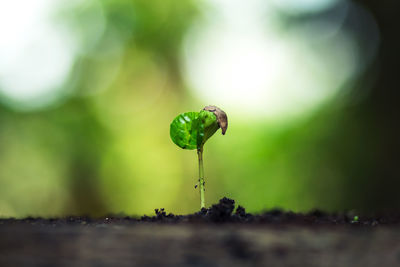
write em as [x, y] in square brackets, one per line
[218, 236]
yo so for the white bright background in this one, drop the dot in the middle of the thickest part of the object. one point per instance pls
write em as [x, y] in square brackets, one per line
[240, 56]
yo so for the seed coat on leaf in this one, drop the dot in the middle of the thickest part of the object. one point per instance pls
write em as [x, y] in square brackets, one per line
[221, 117]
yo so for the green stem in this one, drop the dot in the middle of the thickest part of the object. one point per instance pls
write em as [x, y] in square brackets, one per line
[201, 176]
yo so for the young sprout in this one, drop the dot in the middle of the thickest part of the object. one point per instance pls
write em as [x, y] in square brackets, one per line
[355, 219]
[191, 130]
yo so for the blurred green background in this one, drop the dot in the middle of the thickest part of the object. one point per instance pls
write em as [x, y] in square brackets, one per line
[88, 90]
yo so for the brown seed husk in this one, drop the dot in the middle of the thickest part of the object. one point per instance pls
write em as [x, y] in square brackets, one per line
[221, 117]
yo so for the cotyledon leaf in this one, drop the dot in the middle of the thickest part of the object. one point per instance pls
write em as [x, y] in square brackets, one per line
[186, 130]
[209, 120]
[191, 130]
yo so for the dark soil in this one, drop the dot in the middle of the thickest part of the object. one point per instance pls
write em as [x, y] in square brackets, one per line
[218, 236]
[223, 212]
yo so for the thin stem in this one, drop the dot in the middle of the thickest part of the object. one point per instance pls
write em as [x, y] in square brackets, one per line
[201, 177]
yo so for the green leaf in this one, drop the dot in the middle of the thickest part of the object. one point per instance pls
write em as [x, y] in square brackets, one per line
[186, 130]
[209, 120]
[191, 130]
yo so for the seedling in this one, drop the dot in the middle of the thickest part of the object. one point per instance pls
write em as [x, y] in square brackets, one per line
[191, 130]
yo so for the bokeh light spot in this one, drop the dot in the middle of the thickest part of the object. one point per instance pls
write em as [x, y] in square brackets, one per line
[36, 52]
[246, 63]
